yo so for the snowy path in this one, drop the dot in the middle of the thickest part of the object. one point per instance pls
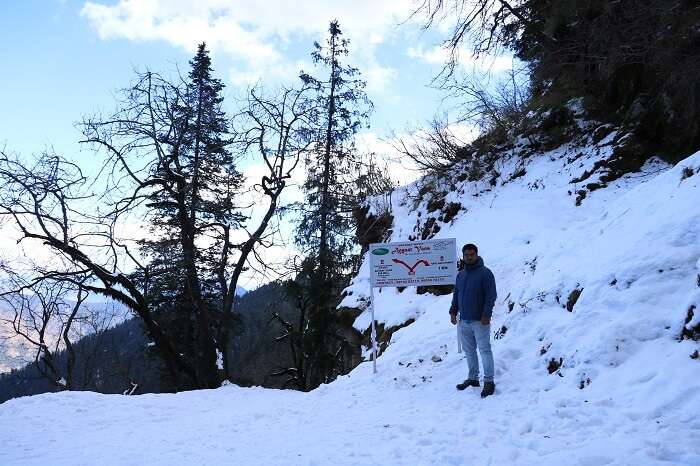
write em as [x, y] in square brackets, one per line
[407, 415]
[627, 391]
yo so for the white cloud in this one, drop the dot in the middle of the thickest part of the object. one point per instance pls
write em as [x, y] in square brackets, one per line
[464, 132]
[378, 77]
[439, 55]
[400, 168]
[253, 32]
[435, 55]
[286, 71]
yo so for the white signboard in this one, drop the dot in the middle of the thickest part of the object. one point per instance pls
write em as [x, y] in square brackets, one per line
[414, 263]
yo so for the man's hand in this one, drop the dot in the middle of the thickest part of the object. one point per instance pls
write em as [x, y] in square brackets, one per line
[453, 319]
[485, 320]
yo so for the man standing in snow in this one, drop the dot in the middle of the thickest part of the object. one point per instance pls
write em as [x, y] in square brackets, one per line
[474, 297]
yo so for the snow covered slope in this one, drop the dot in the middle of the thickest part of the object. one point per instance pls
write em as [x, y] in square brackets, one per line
[590, 367]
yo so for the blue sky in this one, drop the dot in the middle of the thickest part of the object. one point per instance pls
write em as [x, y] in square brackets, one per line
[65, 59]
[56, 70]
[60, 63]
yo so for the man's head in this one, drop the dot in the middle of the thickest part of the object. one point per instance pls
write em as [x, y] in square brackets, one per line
[470, 254]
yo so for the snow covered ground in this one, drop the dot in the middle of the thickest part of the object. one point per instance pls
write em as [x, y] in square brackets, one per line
[625, 392]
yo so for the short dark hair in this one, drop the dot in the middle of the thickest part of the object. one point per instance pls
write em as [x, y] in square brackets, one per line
[471, 247]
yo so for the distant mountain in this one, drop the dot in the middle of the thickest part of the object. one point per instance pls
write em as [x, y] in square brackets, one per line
[114, 359]
[15, 352]
[256, 353]
[106, 362]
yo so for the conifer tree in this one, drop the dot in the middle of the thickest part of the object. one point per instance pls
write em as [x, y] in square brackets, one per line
[201, 182]
[324, 229]
[168, 162]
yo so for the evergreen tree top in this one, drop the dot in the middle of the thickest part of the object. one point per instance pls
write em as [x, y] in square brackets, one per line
[201, 69]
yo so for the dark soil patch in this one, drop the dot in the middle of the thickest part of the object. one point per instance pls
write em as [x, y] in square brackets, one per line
[687, 173]
[371, 228]
[450, 211]
[573, 298]
[500, 333]
[383, 335]
[518, 174]
[601, 132]
[436, 203]
[430, 228]
[437, 290]
[554, 365]
[692, 333]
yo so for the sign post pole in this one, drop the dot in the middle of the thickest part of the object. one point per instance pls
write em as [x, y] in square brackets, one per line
[374, 332]
[410, 263]
[459, 340]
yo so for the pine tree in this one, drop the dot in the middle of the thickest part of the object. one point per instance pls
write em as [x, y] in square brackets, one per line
[186, 270]
[324, 229]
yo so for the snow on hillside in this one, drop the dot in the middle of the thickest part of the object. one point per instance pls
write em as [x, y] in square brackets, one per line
[622, 390]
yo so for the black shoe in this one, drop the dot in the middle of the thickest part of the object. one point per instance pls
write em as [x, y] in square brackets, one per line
[467, 383]
[489, 388]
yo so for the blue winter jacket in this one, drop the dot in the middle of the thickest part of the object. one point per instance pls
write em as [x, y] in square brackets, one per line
[475, 292]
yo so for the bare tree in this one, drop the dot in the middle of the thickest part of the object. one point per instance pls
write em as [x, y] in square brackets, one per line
[491, 103]
[49, 203]
[294, 336]
[372, 177]
[494, 105]
[275, 130]
[41, 316]
[485, 26]
[435, 149]
[144, 168]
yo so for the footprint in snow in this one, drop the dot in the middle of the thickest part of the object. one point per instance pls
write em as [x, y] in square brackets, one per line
[526, 428]
[645, 378]
[511, 353]
[594, 461]
[405, 429]
[453, 459]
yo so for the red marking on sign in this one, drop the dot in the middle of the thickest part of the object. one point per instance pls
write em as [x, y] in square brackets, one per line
[411, 269]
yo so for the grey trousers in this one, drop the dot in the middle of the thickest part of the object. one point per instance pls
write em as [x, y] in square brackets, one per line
[473, 335]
